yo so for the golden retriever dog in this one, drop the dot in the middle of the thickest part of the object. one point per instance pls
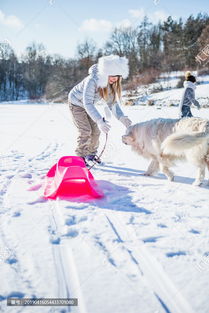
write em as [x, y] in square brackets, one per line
[165, 141]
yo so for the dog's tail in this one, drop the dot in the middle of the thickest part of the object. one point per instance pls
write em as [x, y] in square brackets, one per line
[176, 144]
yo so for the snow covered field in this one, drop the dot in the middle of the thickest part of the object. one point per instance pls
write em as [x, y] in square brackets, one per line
[144, 248]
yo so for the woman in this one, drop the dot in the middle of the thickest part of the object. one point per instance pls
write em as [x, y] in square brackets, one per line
[188, 96]
[102, 83]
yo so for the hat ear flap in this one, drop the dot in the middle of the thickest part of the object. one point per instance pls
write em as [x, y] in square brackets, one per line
[102, 80]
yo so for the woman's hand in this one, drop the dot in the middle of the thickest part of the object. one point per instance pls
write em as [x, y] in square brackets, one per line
[126, 121]
[104, 125]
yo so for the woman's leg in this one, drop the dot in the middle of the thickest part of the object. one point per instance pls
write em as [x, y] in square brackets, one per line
[94, 137]
[81, 121]
[186, 111]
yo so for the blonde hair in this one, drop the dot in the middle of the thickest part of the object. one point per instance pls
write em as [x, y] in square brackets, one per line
[115, 88]
[187, 74]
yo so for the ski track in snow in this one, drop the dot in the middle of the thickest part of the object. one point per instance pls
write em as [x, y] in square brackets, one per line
[22, 168]
[147, 266]
[162, 286]
[100, 242]
[106, 250]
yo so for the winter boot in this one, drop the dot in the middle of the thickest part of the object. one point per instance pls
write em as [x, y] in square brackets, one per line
[93, 158]
[86, 163]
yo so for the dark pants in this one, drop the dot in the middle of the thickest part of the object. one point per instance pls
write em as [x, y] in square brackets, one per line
[185, 111]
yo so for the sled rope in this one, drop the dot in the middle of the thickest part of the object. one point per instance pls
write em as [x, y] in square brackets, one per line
[101, 153]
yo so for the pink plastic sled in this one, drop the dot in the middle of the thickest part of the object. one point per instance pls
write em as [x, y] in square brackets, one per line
[70, 178]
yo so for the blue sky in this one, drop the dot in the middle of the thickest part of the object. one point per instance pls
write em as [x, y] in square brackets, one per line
[61, 24]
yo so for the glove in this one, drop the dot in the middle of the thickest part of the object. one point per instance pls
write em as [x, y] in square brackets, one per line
[126, 121]
[104, 125]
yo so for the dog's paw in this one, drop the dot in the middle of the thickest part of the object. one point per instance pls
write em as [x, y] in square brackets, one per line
[197, 183]
[170, 177]
[147, 174]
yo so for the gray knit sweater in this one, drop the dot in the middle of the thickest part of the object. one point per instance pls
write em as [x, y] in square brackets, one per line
[86, 95]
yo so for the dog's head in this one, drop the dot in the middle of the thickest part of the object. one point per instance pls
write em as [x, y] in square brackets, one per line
[128, 138]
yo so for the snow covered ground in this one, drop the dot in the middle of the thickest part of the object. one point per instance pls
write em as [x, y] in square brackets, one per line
[144, 248]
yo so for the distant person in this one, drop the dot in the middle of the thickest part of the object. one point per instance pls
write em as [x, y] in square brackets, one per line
[102, 83]
[188, 96]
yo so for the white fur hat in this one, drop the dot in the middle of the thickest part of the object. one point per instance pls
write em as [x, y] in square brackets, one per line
[111, 65]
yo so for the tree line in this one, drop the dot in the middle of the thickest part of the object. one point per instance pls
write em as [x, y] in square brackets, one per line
[167, 46]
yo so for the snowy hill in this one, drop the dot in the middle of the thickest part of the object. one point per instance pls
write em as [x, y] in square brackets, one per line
[170, 94]
[142, 249]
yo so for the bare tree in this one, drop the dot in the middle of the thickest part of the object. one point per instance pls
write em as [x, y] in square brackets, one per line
[35, 70]
[86, 53]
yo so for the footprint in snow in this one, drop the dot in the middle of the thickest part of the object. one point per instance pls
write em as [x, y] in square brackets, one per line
[71, 233]
[55, 241]
[9, 176]
[54, 236]
[39, 200]
[16, 214]
[177, 253]
[11, 261]
[73, 220]
[206, 254]
[131, 220]
[26, 175]
[13, 294]
[151, 239]
[162, 225]
[194, 231]
[16, 294]
[2, 298]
